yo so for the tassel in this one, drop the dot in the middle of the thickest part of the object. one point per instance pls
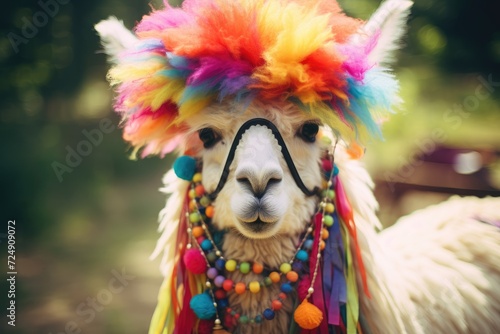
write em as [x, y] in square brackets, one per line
[345, 211]
[308, 316]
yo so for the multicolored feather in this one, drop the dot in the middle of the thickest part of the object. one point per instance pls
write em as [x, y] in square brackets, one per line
[210, 51]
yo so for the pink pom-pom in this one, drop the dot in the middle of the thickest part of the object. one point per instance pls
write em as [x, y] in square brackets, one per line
[205, 326]
[327, 165]
[194, 261]
[303, 286]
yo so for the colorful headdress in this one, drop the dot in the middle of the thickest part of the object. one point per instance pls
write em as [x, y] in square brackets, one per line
[210, 51]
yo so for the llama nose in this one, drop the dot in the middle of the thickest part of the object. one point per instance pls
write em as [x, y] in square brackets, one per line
[259, 180]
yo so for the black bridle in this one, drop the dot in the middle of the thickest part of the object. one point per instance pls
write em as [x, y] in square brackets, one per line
[284, 151]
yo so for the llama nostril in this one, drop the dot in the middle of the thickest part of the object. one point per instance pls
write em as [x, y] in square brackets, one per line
[258, 185]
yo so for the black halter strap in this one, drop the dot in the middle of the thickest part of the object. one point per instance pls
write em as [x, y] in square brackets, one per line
[284, 151]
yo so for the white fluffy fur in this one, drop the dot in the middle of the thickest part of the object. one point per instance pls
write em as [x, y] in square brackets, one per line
[390, 19]
[114, 37]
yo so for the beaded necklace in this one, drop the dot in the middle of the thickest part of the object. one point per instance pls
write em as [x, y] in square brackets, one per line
[203, 256]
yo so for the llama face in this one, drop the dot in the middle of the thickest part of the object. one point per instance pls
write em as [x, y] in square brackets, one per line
[260, 198]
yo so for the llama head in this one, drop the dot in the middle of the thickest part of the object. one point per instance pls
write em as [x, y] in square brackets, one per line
[260, 197]
[205, 69]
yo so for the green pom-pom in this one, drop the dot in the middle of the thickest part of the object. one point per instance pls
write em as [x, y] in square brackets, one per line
[203, 306]
[185, 167]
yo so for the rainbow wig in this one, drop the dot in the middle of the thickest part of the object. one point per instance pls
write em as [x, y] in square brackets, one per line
[211, 51]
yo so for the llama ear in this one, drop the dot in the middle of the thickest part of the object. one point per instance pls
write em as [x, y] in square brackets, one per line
[389, 21]
[115, 38]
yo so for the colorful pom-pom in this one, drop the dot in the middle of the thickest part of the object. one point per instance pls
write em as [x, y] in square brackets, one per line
[219, 280]
[231, 265]
[220, 264]
[292, 276]
[254, 286]
[286, 267]
[198, 231]
[308, 316]
[326, 165]
[302, 255]
[244, 267]
[257, 268]
[286, 288]
[194, 261]
[220, 294]
[212, 273]
[276, 304]
[185, 167]
[206, 245]
[227, 285]
[240, 288]
[268, 314]
[203, 306]
[275, 277]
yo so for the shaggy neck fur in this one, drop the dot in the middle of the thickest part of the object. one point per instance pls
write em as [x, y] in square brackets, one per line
[271, 253]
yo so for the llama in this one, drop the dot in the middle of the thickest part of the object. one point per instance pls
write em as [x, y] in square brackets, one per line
[270, 226]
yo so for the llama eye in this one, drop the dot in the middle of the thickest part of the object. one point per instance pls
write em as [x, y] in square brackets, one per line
[209, 137]
[308, 132]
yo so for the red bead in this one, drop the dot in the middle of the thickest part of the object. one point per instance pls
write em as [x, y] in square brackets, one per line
[227, 285]
[199, 190]
[220, 294]
[236, 316]
[282, 295]
[276, 304]
[327, 165]
[199, 240]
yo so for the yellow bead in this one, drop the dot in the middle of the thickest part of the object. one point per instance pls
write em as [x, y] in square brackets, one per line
[285, 267]
[329, 208]
[192, 193]
[254, 286]
[197, 177]
[231, 265]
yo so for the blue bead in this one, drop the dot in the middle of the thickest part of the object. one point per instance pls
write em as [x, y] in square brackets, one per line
[185, 167]
[258, 319]
[308, 244]
[286, 287]
[206, 245]
[222, 303]
[269, 314]
[220, 264]
[302, 255]
[297, 266]
[335, 170]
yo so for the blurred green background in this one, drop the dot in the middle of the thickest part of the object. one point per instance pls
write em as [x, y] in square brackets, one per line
[76, 231]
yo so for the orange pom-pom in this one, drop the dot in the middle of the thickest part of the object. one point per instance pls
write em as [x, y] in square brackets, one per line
[240, 288]
[257, 268]
[308, 316]
[209, 211]
[197, 231]
[275, 277]
[355, 151]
